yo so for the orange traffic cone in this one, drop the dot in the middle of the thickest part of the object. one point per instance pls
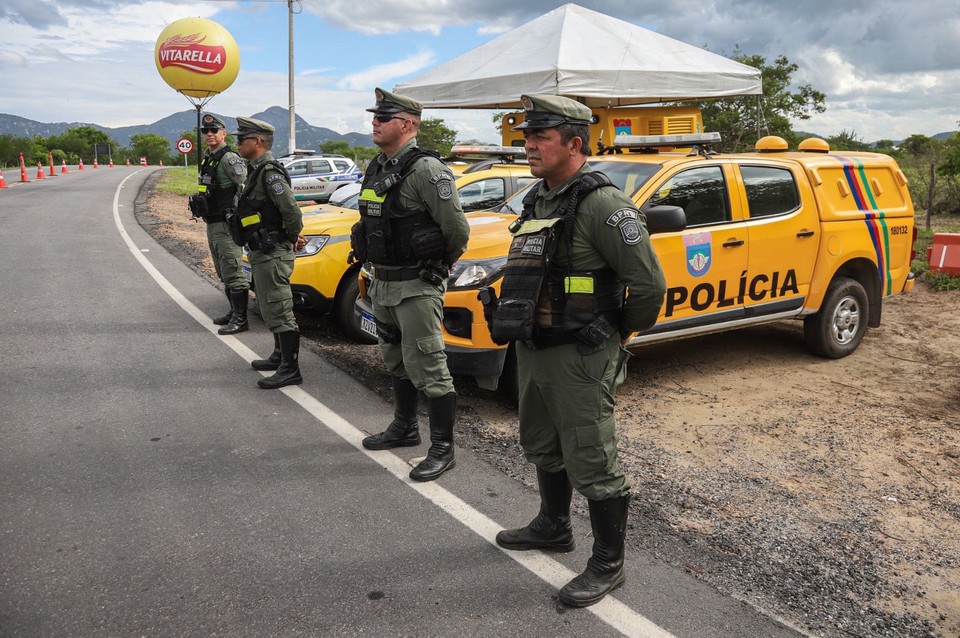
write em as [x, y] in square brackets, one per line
[111, 162]
[128, 163]
[3, 183]
[23, 173]
[95, 165]
[40, 174]
[63, 167]
[53, 171]
[80, 168]
[161, 162]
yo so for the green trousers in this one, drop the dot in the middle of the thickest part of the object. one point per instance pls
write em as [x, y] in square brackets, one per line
[566, 414]
[271, 282]
[226, 256]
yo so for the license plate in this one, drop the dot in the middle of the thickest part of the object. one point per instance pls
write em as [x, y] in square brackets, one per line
[368, 324]
[247, 272]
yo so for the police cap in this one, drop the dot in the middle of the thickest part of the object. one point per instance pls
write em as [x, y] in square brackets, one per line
[388, 102]
[547, 111]
[250, 126]
[209, 120]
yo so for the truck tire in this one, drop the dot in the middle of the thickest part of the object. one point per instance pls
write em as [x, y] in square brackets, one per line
[838, 328]
[343, 304]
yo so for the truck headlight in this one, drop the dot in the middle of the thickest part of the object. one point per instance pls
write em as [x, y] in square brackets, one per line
[474, 273]
[315, 244]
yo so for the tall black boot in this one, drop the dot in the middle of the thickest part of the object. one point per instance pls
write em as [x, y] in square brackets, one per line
[551, 529]
[443, 414]
[288, 372]
[225, 319]
[604, 571]
[403, 431]
[238, 321]
[273, 361]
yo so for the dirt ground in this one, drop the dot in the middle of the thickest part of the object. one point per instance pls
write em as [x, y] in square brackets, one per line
[824, 492]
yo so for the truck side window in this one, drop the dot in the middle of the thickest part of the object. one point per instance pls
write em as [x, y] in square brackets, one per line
[700, 192]
[297, 168]
[770, 190]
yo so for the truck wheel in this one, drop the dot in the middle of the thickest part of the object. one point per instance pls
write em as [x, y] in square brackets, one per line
[838, 328]
[343, 303]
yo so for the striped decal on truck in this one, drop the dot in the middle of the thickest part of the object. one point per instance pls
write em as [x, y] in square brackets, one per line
[875, 219]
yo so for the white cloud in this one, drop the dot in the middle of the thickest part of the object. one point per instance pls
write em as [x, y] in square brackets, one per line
[386, 74]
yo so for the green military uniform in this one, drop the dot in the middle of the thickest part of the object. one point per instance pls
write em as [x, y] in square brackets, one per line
[566, 399]
[271, 253]
[221, 174]
[407, 307]
[570, 360]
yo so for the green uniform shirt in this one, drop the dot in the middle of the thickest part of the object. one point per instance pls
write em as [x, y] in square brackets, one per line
[231, 170]
[271, 186]
[603, 237]
[428, 188]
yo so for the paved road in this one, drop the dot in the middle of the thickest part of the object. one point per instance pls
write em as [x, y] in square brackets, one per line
[149, 488]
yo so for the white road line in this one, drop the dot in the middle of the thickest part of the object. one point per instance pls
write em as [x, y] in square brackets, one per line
[610, 610]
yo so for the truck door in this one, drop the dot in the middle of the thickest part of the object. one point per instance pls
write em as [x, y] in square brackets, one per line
[703, 263]
[784, 232]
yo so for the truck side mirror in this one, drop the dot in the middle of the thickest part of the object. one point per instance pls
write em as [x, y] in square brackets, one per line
[664, 219]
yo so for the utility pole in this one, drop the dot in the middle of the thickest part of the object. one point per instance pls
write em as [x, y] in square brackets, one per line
[293, 117]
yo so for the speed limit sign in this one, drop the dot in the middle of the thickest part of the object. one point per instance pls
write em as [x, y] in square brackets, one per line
[184, 145]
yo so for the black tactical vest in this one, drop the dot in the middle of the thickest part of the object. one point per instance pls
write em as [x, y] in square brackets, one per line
[218, 198]
[546, 303]
[393, 238]
[260, 214]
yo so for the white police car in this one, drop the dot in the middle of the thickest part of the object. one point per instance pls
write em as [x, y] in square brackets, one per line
[315, 176]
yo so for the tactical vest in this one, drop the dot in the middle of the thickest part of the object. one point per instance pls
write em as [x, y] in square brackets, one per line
[545, 303]
[259, 214]
[386, 235]
[219, 198]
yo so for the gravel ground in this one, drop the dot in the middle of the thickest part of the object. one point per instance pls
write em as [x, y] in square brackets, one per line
[825, 492]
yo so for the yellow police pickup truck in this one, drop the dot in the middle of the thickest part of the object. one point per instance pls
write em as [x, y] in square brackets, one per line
[743, 239]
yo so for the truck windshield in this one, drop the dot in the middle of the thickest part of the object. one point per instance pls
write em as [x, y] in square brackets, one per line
[628, 176]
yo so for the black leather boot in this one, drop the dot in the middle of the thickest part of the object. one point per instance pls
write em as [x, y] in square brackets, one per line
[238, 321]
[225, 319]
[604, 571]
[288, 372]
[273, 361]
[443, 414]
[403, 431]
[551, 529]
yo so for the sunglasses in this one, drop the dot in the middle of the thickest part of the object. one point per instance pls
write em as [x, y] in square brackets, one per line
[383, 118]
[207, 129]
[244, 138]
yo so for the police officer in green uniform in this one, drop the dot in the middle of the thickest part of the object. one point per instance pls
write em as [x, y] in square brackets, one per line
[268, 221]
[411, 230]
[580, 278]
[222, 173]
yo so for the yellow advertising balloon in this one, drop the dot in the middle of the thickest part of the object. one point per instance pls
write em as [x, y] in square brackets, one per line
[197, 57]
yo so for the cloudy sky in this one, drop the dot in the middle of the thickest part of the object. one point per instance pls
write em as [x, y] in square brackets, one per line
[889, 68]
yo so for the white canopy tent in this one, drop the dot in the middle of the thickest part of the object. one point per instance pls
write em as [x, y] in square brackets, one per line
[572, 51]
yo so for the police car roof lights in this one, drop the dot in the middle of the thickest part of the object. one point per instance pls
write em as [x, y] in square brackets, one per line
[660, 141]
[500, 151]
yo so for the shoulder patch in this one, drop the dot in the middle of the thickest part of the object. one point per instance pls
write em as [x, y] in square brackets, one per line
[444, 183]
[278, 188]
[274, 177]
[626, 219]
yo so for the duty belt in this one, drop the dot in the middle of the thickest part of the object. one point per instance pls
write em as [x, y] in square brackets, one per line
[399, 274]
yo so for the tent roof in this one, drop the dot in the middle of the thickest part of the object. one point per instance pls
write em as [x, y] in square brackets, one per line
[582, 54]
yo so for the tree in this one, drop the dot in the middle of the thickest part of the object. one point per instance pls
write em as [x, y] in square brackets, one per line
[741, 121]
[435, 135]
[847, 141]
[921, 155]
[338, 147]
[152, 146]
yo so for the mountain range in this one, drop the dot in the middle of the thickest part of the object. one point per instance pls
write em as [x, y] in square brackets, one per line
[173, 126]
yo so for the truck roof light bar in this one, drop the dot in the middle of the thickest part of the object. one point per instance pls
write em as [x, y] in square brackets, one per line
[657, 141]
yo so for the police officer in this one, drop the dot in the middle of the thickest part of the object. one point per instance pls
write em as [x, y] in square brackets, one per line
[578, 247]
[411, 229]
[268, 220]
[222, 172]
